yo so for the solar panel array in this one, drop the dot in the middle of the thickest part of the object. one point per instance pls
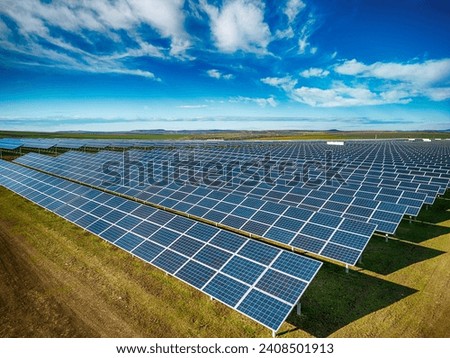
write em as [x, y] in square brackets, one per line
[382, 184]
[260, 281]
[330, 236]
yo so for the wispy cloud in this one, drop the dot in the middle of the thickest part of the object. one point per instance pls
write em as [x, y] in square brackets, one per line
[285, 83]
[306, 31]
[425, 73]
[239, 25]
[218, 74]
[293, 8]
[340, 95]
[389, 83]
[192, 106]
[314, 72]
[65, 34]
[262, 102]
[429, 79]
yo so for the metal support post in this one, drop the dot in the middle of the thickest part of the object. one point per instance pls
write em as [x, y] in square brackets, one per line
[299, 309]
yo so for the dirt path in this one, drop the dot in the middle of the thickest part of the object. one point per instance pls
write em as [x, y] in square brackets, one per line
[38, 299]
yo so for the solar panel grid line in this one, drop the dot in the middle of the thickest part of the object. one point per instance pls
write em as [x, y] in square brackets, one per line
[272, 327]
[243, 224]
[253, 286]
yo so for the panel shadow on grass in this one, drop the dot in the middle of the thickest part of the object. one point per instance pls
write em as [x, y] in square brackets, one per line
[419, 232]
[438, 212]
[387, 257]
[334, 299]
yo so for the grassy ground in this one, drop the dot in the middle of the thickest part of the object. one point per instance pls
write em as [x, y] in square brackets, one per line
[58, 281]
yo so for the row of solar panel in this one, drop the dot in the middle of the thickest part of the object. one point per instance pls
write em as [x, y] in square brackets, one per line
[401, 196]
[330, 236]
[258, 280]
[349, 161]
[387, 216]
[421, 184]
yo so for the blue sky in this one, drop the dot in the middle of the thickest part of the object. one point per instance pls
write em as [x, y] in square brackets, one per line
[231, 64]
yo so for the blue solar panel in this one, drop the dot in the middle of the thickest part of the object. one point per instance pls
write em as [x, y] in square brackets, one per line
[169, 261]
[308, 243]
[288, 262]
[264, 217]
[228, 241]
[215, 216]
[341, 253]
[244, 270]
[243, 212]
[359, 211]
[202, 231]
[282, 286]
[234, 221]
[267, 310]
[274, 208]
[89, 206]
[279, 235]
[212, 257]
[187, 246]
[289, 224]
[357, 227]
[198, 211]
[297, 213]
[195, 274]
[147, 250]
[114, 228]
[86, 220]
[62, 210]
[226, 289]
[348, 239]
[143, 211]
[164, 237]
[114, 216]
[98, 226]
[255, 227]
[259, 252]
[112, 234]
[128, 222]
[326, 220]
[180, 224]
[129, 241]
[317, 231]
[146, 229]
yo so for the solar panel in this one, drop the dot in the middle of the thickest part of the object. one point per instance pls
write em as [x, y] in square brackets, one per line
[235, 270]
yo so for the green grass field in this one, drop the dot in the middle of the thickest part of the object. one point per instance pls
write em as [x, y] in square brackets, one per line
[59, 281]
[235, 135]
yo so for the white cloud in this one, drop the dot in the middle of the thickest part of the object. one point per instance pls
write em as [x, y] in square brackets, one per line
[429, 79]
[218, 75]
[239, 25]
[314, 72]
[284, 34]
[193, 106]
[425, 73]
[303, 42]
[340, 95]
[285, 83]
[37, 20]
[293, 8]
[262, 102]
[390, 83]
[438, 93]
